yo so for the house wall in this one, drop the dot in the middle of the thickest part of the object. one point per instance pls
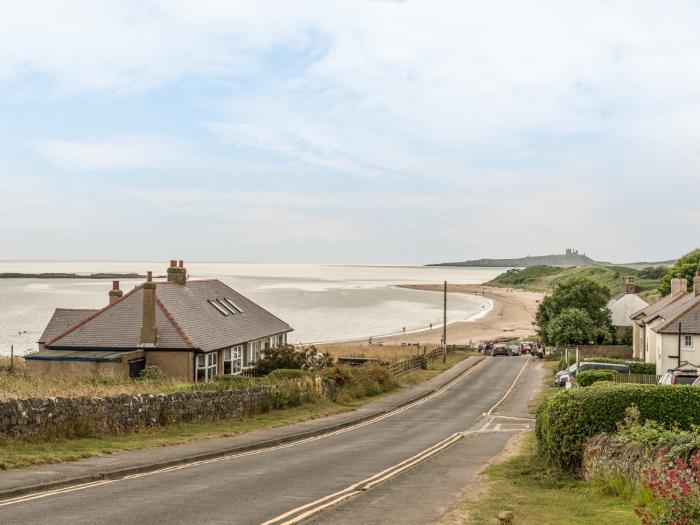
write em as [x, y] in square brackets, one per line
[175, 364]
[78, 368]
[637, 341]
[650, 341]
[668, 345]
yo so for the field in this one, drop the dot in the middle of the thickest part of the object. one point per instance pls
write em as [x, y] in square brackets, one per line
[543, 278]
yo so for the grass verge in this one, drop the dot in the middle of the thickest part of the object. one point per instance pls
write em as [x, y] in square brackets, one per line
[22, 454]
[536, 496]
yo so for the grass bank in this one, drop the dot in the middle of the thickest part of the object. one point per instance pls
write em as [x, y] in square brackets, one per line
[21, 454]
[537, 495]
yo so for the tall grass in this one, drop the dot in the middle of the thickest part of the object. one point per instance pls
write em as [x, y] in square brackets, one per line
[386, 353]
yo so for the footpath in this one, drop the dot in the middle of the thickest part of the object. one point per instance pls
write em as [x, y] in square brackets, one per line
[19, 482]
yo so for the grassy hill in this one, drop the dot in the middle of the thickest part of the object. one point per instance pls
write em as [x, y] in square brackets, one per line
[565, 260]
[543, 278]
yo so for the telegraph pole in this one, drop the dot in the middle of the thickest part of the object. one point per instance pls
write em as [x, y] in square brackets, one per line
[444, 324]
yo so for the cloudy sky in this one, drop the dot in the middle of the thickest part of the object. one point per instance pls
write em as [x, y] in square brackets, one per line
[340, 131]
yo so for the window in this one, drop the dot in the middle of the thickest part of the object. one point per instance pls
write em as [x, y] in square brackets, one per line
[233, 360]
[206, 366]
[687, 341]
[252, 353]
[234, 305]
[220, 308]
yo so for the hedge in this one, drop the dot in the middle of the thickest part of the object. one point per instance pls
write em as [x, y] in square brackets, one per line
[588, 377]
[289, 373]
[636, 367]
[569, 417]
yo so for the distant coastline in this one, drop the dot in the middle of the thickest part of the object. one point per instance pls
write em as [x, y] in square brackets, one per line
[15, 275]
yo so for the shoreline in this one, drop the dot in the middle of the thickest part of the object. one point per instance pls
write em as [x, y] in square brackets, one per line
[511, 314]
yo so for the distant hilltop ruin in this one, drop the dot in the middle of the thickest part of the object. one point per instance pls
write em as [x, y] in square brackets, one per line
[570, 257]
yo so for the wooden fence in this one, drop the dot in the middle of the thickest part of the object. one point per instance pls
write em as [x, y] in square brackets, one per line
[419, 361]
[640, 379]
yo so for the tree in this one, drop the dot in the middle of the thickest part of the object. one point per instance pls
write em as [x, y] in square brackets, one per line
[573, 326]
[581, 294]
[686, 267]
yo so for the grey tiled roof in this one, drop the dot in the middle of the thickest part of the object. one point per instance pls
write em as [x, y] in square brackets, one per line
[651, 312]
[687, 312]
[184, 320]
[62, 319]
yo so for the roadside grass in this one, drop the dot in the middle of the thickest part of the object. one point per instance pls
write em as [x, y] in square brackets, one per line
[16, 454]
[536, 496]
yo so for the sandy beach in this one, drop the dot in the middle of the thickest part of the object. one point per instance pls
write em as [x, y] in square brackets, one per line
[511, 316]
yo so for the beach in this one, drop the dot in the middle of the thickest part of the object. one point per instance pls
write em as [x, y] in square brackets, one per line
[511, 315]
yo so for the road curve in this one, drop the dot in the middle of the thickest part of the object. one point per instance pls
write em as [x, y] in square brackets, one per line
[261, 487]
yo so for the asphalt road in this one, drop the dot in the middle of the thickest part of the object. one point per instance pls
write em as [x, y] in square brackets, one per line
[261, 486]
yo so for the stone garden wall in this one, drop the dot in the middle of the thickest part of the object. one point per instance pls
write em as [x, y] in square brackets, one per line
[39, 419]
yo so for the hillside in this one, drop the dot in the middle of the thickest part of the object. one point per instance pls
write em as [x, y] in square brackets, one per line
[571, 258]
[543, 278]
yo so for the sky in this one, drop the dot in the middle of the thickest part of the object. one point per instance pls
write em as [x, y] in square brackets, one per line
[348, 131]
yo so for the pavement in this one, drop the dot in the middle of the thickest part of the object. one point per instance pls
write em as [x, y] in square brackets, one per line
[237, 481]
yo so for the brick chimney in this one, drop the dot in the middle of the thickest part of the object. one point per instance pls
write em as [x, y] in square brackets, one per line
[115, 293]
[696, 283]
[149, 332]
[177, 273]
[679, 285]
[628, 285]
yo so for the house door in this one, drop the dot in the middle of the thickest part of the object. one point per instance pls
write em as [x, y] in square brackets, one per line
[136, 366]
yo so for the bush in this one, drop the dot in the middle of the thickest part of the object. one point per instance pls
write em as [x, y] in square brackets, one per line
[152, 373]
[285, 373]
[636, 367]
[588, 377]
[286, 357]
[348, 383]
[569, 417]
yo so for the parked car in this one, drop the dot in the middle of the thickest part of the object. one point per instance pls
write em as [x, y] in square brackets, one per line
[525, 347]
[679, 377]
[561, 377]
[514, 350]
[697, 382]
[499, 349]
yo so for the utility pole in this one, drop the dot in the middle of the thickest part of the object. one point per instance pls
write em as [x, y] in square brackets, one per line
[444, 324]
[12, 358]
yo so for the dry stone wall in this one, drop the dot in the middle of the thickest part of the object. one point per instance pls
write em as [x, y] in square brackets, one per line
[39, 419]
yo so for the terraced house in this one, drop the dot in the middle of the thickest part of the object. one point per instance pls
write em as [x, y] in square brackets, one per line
[191, 329]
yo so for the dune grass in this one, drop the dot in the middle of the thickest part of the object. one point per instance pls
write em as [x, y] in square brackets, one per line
[386, 353]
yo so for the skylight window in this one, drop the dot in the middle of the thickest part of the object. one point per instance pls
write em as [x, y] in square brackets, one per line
[238, 308]
[220, 308]
[224, 304]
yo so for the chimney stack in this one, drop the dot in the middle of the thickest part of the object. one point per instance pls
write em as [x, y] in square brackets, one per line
[115, 293]
[679, 285]
[149, 332]
[177, 273]
[628, 285]
[696, 283]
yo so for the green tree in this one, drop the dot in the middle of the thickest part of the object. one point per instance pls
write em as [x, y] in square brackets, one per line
[584, 295]
[686, 267]
[573, 326]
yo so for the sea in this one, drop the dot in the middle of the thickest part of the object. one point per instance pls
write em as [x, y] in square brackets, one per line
[322, 302]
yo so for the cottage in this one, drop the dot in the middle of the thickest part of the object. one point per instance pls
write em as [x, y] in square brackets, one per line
[624, 304]
[192, 329]
[668, 331]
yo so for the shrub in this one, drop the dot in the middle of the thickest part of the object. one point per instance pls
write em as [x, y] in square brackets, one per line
[636, 367]
[348, 383]
[588, 377]
[152, 373]
[281, 357]
[675, 490]
[284, 373]
[569, 417]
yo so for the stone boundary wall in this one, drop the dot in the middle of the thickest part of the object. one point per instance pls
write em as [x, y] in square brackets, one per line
[45, 418]
[615, 351]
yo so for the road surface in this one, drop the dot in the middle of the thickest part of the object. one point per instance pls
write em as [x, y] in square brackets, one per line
[292, 483]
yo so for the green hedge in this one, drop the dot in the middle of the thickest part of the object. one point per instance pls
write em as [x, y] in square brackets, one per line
[636, 367]
[588, 377]
[569, 417]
